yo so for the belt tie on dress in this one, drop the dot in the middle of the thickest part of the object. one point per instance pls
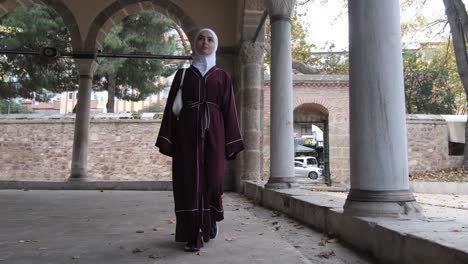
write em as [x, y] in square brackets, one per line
[205, 122]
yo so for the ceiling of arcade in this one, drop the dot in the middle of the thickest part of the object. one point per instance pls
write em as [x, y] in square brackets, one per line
[90, 20]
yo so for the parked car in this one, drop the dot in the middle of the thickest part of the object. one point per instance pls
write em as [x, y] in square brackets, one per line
[302, 170]
[307, 160]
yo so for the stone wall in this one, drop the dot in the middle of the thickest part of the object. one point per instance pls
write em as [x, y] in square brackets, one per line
[428, 144]
[427, 134]
[123, 150]
[120, 150]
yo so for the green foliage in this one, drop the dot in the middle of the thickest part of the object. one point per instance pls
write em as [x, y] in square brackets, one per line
[431, 82]
[145, 32]
[31, 28]
[15, 108]
[136, 115]
[153, 108]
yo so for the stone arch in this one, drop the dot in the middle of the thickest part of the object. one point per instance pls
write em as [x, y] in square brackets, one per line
[310, 112]
[306, 115]
[59, 7]
[118, 10]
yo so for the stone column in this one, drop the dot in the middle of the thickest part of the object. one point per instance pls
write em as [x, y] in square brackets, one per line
[379, 162]
[251, 56]
[282, 130]
[79, 166]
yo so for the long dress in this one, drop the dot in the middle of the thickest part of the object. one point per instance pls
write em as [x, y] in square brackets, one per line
[205, 134]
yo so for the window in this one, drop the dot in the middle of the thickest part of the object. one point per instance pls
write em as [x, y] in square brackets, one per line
[298, 165]
[70, 96]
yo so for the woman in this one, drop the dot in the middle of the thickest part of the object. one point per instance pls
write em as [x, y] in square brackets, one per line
[199, 136]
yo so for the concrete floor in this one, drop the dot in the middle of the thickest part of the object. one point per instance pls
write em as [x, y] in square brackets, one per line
[118, 227]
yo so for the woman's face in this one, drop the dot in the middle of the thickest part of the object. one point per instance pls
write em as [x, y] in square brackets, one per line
[205, 43]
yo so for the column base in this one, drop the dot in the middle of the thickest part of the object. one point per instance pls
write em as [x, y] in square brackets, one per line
[79, 175]
[400, 203]
[383, 209]
[281, 183]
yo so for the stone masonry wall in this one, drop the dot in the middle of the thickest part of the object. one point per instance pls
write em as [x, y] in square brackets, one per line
[123, 150]
[428, 144]
[120, 150]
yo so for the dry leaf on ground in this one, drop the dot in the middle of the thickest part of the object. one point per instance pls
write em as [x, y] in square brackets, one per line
[326, 254]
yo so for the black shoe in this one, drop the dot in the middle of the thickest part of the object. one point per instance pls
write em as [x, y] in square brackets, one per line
[191, 248]
[214, 231]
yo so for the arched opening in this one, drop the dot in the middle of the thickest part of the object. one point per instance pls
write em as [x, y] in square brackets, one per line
[133, 85]
[117, 11]
[312, 136]
[35, 81]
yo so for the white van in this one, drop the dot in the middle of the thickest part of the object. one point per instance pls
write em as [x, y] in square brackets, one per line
[309, 161]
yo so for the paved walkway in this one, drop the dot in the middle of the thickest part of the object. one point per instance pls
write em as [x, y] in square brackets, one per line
[138, 227]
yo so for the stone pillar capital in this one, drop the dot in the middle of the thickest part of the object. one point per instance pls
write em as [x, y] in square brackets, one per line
[86, 67]
[280, 9]
[251, 52]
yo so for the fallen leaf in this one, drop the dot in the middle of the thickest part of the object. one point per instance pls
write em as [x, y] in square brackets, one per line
[153, 256]
[332, 240]
[237, 230]
[230, 238]
[199, 253]
[171, 221]
[35, 241]
[457, 229]
[260, 234]
[158, 228]
[138, 250]
[326, 254]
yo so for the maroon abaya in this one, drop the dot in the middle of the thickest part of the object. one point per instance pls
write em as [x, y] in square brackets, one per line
[205, 134]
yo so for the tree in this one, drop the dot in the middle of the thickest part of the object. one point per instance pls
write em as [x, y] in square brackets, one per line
[135, 79]
[428, 89]
[30, 28]
[8, 106]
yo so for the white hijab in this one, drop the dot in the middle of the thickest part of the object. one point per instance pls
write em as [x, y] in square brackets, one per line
[201, 62]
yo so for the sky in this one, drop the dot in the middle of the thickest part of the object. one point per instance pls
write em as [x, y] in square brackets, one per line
[328, 23]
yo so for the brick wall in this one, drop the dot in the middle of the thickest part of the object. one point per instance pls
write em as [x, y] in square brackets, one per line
[327, 94]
